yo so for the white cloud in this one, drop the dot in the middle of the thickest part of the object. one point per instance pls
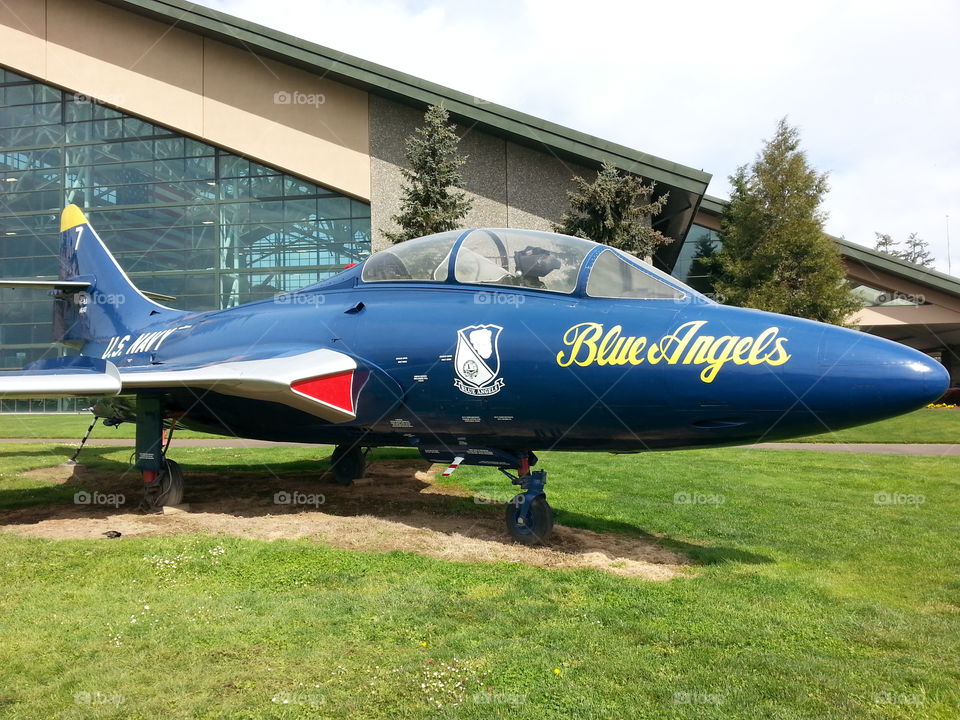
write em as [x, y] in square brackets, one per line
[872, 85]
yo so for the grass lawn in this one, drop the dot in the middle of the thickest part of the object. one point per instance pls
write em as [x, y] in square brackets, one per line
[810, 601]
[930, 425]
[72, 425]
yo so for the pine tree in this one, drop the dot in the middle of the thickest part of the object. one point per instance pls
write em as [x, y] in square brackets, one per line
[429, 205]
[917, 250]
[775, 255]
[885, 244]
[615, 209]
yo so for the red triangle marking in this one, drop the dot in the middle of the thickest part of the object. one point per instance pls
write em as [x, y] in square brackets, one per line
[336, 389]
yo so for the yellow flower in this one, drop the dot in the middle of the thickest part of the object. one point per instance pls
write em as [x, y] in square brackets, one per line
[556, 671]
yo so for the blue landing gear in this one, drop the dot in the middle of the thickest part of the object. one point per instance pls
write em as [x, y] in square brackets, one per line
[529, 517]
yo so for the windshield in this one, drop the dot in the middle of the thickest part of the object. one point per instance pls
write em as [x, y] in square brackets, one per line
[423, 259]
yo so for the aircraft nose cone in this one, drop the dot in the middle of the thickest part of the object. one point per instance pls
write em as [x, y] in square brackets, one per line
[882, 377]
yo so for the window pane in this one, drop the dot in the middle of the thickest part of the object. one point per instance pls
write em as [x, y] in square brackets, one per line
[522, 258]
[613, 277]
[423, 259]
[182, 217]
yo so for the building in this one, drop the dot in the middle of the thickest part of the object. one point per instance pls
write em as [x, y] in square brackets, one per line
[224, 161]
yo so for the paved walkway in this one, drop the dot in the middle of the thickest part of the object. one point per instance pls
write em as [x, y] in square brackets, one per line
[226, 443]
[229, 443]
[869, 448]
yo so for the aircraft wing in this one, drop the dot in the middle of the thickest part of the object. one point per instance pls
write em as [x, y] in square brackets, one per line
[319, 382]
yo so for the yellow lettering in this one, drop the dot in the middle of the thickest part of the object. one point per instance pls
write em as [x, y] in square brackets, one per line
[740, 349]
[582, 337]
[763, 340]
[590, 343]
[781, 353]
[636, 350]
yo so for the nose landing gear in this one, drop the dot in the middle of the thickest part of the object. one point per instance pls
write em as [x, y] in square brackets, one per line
[528, 516]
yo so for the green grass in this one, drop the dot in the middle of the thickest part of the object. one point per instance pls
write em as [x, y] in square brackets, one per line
[811, 601]
[29, 426]
[929, 425]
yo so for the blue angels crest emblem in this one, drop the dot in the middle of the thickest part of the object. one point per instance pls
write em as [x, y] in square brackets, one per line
[477, 360]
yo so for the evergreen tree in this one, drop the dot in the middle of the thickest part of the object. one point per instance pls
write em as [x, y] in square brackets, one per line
[917, 250]
[885, 244]
[429, 205]
[615, 209]
[775, 255]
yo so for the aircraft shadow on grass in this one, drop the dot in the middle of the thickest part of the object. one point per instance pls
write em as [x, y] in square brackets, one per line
[248, 490]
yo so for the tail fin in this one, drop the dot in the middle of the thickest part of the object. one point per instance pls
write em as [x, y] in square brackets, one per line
[111, 305]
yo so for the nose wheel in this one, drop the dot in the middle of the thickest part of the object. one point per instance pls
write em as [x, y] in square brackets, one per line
[528, 516]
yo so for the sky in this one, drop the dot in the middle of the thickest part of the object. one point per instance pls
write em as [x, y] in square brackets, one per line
[872, 86]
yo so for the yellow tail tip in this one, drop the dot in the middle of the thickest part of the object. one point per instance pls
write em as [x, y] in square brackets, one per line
[71, 217]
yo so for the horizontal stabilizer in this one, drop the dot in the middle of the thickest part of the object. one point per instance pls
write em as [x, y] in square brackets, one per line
[70, 286]
[64, 285]
[62, 377]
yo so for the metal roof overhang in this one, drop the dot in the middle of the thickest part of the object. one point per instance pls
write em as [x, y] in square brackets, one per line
[685, 185]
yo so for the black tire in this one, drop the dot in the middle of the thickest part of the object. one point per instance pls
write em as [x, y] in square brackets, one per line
[170, 483]
[539, 525]
[348, 464]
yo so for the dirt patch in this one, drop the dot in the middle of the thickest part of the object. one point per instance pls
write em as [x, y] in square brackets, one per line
[398, 507]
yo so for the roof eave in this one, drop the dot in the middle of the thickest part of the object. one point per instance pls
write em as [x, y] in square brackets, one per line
[381, 80]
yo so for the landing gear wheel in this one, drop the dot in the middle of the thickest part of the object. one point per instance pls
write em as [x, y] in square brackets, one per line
[348, 464]
[532, 527]
[167, 489]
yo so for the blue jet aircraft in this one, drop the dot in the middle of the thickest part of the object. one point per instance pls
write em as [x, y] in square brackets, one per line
[476, 347]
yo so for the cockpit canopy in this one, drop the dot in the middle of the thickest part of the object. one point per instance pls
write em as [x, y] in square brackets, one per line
[522, 259]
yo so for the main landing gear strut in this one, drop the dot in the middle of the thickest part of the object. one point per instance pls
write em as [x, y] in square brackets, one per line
[162, 478]
[528, 516]
[348, 463]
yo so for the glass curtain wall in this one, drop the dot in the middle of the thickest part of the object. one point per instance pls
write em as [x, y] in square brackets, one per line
[182, 217]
